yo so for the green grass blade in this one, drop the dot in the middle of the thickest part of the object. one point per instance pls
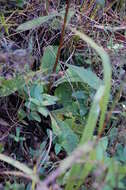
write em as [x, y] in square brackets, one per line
[107, 77]
[99, 104]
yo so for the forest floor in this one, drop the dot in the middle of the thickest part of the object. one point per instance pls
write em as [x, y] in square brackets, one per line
[25, 134]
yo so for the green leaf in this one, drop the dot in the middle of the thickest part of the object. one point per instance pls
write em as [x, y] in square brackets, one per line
[99, 153]
[48, 59]
[32, 24]
[8, 87]
[21, 114]
[38, 90]
[73, 103]
[43, 111]
[79, 95]
[20, 3]
[58, 148]
[64, 93]
[124, 153]
[66, 137]
[30, 105]
[120, 153]
[35, 116]
[46, 101]
[103, 142]
[34, 101]
[86, 76]
[55, 126]
[101, 3]
[3, 23]
[79, 74]
[77, 127]
[49, 100]
[1, 147]
[69, 139]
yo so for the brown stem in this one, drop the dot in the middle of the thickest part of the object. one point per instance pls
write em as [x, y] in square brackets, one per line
[62, 35]
[61, 39]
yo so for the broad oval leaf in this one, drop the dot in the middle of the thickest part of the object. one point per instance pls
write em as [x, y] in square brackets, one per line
[48, 59]
[79, 74]
[66, 137]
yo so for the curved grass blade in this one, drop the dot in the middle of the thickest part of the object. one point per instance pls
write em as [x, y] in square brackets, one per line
[22, 167]
[99, 104]
[107, 74]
